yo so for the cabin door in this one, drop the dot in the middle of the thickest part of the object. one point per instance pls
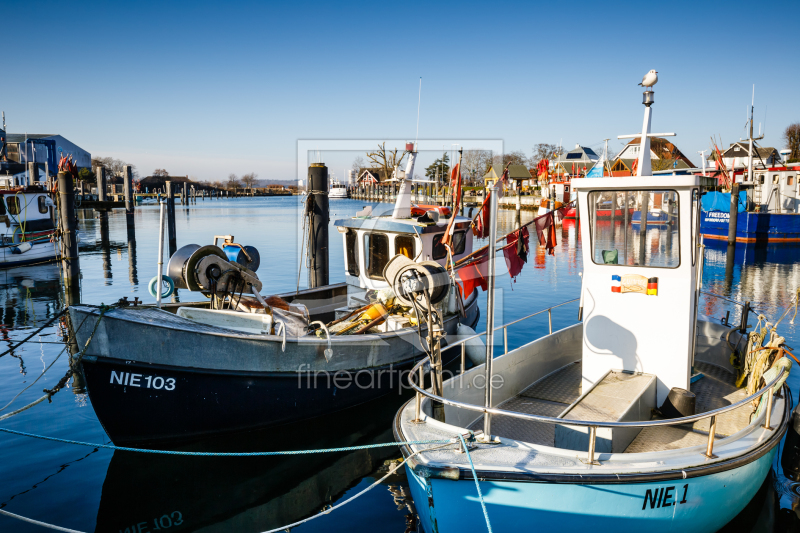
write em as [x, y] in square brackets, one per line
[566, 194]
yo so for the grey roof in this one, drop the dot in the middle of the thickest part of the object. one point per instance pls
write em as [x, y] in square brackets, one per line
[581, 154]
[740, 149]
[20, 137]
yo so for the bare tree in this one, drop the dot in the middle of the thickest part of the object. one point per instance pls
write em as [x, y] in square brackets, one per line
[544, 151]
[233, 182]
[114, 167]
[358, 164]
[386, 159]
[249, 180]
[791, 136]
[475, 163]
[517, 157]
[160, 173]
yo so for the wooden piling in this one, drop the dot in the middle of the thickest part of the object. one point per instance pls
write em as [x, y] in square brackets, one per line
[127, 188]
[100, 173]
[68, 224]
[734, 212]
[318, 241]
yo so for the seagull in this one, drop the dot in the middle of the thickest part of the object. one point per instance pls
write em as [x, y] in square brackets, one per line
[650, 79]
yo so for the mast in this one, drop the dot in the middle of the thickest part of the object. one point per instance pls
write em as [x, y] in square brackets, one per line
[644, 144]
[402, 206]
[750, 150]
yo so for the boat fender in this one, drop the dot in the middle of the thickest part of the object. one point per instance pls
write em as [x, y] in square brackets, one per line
[475, 348]
[165, 291]
[22, 248]
[452, 303]
[679, 403]
[790, 458]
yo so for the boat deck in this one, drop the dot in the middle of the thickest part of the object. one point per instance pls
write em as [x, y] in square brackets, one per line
[554, 394]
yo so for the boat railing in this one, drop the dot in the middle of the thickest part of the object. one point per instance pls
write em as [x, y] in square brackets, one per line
[417, 374]
[462, 342]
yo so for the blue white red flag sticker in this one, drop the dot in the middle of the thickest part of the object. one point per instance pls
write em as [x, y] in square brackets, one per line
[634, 283]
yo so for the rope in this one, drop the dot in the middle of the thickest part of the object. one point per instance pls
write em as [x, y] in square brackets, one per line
[35, 380]
[218, 454]
[392, 470]
[755, 340]
[43, 524]
[477, 486]
[49, 393]
[32, 335]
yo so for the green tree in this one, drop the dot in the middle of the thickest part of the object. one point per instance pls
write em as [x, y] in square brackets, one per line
[87, 176]
[439, 168]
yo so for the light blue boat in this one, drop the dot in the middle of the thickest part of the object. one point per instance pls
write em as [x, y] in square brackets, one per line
[645, 416]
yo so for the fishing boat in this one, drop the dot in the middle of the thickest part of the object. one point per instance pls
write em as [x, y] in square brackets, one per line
[337, 190]
[644, 416]
[241, 361]
[27, 210]
[768, 210]
[768, 207]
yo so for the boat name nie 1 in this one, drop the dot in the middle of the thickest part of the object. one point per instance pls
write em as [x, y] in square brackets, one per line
[661, 498]
[140, 380]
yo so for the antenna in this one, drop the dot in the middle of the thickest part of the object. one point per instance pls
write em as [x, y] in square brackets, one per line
[419, 102]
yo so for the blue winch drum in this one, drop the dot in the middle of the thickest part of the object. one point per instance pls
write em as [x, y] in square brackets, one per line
[236, 254]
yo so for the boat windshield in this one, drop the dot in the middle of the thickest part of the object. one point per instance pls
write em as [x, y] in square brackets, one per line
[621, 235]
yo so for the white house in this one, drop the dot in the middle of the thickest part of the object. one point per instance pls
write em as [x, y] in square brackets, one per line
[736, 156]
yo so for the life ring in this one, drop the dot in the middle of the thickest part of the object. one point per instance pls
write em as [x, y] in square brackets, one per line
[164, 279]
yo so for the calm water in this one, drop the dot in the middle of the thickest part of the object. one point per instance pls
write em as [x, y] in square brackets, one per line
[99, 490]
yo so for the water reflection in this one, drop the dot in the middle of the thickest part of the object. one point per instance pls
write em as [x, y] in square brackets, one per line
[105, 246]
[254, 493]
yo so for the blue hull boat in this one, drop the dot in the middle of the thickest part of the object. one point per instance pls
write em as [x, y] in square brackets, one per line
[693, 504]
[752, 227]
[643, 416]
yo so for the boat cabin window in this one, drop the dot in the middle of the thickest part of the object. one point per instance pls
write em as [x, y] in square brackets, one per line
[404, 244]
[351, 244]
[43, 205]
[2, 207]
[376, 252]
[13, 205]
[789, 180]
[458, 245]
[622, 235]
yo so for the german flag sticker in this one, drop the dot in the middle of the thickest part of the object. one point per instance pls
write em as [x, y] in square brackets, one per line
[652, 286]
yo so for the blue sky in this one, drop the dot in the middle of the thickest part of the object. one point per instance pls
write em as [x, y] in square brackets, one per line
[209, 88]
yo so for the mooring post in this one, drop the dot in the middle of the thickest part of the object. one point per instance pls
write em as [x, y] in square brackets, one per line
[172, 236]
[68, 222]
[318, 243]
[32, 173]
[127, 185]
[732, 220]
[127, 188]
[100, 173]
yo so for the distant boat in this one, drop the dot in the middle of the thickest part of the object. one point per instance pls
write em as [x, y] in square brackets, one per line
[29, 229]
[338, 191]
